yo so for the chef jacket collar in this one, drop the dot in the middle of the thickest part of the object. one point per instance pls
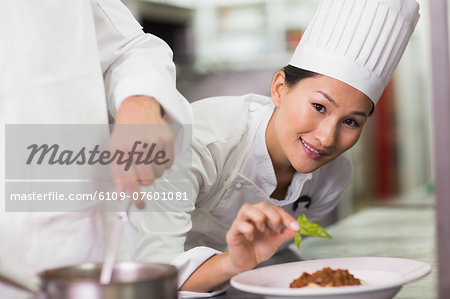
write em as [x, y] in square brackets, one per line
[258, 167]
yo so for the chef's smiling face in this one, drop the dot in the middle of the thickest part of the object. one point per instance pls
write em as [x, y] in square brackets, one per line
[315, 121]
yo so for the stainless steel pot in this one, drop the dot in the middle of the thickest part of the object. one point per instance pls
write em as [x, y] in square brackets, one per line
[129, 281]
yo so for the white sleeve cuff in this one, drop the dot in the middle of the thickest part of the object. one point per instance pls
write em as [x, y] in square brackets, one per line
[174, 104]
[187, 263]
[187, 294]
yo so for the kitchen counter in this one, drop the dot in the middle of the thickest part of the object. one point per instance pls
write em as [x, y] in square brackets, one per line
[403, 229]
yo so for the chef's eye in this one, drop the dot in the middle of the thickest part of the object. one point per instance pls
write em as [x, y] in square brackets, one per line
[351, 122]
[319, 107]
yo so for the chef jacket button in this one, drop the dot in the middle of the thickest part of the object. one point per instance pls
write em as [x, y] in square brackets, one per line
[238, 185]
[252, 107]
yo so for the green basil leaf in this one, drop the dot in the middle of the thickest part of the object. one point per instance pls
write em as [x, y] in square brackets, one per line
[298, 240]
[312, 229]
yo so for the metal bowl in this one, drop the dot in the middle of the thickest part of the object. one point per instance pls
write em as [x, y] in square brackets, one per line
[129, 280]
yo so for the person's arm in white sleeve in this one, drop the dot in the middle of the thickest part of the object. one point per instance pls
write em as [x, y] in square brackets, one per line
[135, 63]
[162, 235]
[139, 77]
[161, 239]
[254, 236]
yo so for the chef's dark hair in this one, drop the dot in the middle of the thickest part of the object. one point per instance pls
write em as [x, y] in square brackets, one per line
[293, 75]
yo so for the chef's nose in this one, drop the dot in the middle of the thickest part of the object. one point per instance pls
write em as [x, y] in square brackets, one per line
[326, 133]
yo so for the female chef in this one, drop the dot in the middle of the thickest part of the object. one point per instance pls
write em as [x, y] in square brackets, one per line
[259, 162]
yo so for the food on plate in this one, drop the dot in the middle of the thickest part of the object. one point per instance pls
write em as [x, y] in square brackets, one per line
[309, 228]
[326, 277]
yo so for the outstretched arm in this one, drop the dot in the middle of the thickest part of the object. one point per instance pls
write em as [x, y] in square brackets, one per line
[255, 235]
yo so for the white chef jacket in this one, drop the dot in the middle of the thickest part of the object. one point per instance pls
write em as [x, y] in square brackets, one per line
[65, 62]
[230, 166]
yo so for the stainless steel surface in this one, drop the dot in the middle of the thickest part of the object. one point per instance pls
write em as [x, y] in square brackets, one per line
[441, 101]
[129, 280]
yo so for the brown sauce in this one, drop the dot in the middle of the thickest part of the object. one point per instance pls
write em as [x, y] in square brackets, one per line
[326, 277]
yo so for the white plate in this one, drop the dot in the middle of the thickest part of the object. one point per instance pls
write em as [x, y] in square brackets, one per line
[383, 278]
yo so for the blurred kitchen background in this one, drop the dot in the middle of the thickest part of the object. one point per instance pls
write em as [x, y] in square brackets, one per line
[233, 47]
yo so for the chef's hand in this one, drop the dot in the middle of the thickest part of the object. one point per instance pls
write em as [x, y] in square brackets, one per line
[256, 233]
[254, 236]
[150, 128]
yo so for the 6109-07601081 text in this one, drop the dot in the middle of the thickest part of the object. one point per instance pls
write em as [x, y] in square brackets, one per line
[95, 156]
[100, 195]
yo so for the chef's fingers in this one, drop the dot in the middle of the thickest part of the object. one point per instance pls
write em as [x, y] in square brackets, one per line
[144, 174]
[284, 226]
[154, 160]
[278, 216]
[143, 171]
[273, 216]
[126, 181]
[160, 135]
[262, 212]
[245, 228]
[285, 235]
[288, 221]
[251, 213]
[161, 162]
[168, 141]
[162, 152]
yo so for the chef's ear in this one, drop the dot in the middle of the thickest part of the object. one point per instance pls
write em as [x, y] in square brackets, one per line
[279, 88]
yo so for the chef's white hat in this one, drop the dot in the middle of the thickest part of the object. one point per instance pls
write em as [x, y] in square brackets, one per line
[359, 42]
